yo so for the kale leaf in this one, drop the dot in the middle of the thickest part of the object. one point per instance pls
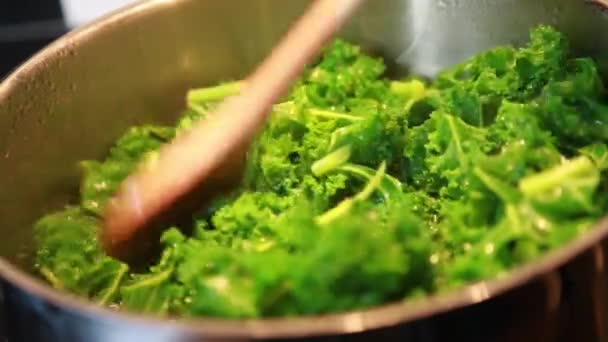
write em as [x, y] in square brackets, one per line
[363, 190]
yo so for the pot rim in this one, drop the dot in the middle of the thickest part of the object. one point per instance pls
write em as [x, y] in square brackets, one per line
[338, 323]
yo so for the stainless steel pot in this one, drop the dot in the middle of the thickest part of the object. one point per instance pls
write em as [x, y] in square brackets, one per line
[74, 98]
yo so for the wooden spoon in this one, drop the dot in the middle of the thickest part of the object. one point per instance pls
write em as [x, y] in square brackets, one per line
[198, 164]
[601, 4]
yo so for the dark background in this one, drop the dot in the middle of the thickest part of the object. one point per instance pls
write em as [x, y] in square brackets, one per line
[26, 26]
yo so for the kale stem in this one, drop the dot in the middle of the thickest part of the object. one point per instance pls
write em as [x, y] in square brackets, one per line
[336, 212]
[412, 89]
[333, 115]
[197, 108]
[556, 176]
[388, 185]
[217, 93]
[51, 278]
[502, 190]
[289, 108]
[345, 206]
[114, 287]
[373, 184]
[331, 161]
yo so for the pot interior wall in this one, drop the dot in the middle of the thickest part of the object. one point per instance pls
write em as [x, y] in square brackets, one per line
[72, 103]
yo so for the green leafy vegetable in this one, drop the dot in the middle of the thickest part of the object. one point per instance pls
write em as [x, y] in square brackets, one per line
[71, 258]
[364, 190]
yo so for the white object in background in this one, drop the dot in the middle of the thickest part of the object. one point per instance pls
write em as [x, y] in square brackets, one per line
[80, 12]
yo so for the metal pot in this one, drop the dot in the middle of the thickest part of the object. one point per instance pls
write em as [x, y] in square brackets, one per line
[77, 96]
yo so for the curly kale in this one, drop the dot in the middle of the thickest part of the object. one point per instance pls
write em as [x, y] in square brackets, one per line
[70, 256]
[364, 190]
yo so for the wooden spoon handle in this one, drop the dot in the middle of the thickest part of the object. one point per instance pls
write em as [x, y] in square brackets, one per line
[601, 4]
[195, 156]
